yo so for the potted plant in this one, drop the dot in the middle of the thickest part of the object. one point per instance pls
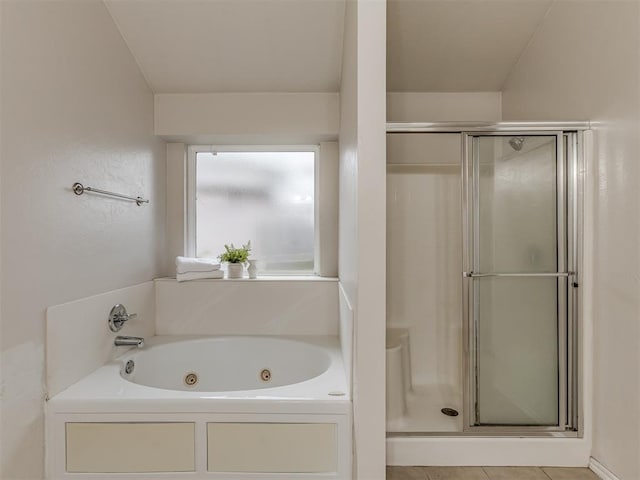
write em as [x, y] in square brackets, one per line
[235, 258]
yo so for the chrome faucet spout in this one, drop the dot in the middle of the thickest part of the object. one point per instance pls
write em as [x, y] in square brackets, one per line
[125, 341]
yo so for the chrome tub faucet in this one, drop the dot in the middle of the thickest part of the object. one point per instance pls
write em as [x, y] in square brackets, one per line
[117, 318]
[126, 341]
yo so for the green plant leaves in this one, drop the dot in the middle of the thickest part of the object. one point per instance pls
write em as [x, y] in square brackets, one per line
[235, 255]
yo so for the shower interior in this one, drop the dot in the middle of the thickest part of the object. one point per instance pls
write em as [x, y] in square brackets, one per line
[482, 261]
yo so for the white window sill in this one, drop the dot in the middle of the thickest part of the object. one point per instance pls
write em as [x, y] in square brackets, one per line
[261, 278]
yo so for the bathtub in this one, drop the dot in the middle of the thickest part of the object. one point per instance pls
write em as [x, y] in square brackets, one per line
[226, 364]
[207, 407]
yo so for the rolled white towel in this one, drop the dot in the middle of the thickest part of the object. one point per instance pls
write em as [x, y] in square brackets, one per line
[183, 277]
[193, 265]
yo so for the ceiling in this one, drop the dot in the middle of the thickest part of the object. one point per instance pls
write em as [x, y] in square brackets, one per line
[457, 45]
[209, 46]
[213, 46]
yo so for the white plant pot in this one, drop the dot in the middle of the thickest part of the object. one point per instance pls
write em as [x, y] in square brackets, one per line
[235, 270]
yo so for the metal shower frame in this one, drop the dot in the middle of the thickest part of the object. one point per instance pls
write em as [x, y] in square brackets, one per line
[570, 162]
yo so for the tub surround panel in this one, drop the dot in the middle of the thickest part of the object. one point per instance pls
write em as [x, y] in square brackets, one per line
[78, 339]
[247, 307]
[346, 333]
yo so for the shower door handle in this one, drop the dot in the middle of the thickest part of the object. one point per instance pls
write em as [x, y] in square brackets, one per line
[496, 274]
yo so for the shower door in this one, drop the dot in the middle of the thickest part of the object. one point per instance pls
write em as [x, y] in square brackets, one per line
[519, 278]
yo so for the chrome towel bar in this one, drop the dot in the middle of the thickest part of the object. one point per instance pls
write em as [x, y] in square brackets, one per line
[79, 189]
[542, 274]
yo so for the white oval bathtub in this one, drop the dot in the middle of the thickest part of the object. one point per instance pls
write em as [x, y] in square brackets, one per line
[225, 364]
[308, 386]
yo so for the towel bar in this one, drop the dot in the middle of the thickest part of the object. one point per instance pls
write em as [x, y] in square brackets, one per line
[79, 189]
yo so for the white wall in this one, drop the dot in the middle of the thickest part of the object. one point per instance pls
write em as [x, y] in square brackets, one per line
[74, 108]
[584, 63]
[362, 222]
[347, 205]
[176, 203]
[348, 169]
[444, 106]
[267, 118]
[369, 356]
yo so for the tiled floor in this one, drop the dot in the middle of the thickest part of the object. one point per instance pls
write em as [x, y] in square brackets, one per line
[489, 473]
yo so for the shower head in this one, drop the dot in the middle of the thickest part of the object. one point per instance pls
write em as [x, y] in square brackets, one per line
[516, 143]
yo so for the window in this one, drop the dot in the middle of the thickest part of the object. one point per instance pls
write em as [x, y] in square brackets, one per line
[262, 195]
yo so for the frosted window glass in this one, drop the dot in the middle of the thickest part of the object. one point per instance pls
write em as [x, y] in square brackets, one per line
[264, 197]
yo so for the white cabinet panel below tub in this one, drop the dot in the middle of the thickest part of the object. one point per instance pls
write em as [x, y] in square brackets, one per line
[272, 447]
[130, 447]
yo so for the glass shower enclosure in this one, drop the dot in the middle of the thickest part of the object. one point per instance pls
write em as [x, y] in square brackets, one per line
[519, 324]
[519, 280]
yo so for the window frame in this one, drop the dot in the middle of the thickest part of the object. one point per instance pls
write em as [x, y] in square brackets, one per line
[190, 193]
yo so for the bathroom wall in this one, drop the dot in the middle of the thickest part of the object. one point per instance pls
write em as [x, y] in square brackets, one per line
[268, 118]
[369, 358]
[444, 106]
[348, 167]
[584, 64]
[347, 205]
[362, 225]
[74, 108]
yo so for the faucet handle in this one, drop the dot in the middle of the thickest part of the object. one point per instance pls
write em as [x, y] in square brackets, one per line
[118, 316]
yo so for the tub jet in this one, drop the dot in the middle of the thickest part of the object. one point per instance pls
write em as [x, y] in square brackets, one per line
[190, 379]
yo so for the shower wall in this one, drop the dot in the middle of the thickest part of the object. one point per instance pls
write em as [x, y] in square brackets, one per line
[424, 245]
